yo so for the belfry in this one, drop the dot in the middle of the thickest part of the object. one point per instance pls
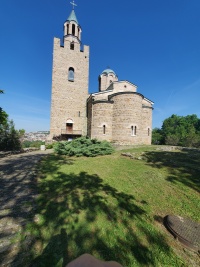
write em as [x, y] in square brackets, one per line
[69, 82]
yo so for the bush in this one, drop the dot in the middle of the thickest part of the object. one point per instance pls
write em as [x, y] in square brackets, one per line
[83, 146]
[36, 144]
[172, 140]
[49, 146]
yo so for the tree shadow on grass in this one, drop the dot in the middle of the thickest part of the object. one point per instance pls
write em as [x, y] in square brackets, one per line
[79, 213]
[184, 166]
[18, 192]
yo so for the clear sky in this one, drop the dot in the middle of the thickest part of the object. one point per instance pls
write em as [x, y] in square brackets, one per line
[154, 44]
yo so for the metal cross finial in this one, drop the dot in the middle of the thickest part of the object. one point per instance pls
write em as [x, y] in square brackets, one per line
[73, 4]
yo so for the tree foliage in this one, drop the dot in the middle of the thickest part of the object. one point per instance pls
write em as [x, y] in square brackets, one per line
[83, 146]
[157, 137]
[21, 132]
[178, 130]
[3, 117]
[9, 137]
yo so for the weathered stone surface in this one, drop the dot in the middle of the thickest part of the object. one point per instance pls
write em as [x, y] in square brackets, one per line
[68, 100]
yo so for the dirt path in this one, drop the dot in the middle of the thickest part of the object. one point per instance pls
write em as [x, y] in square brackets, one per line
[17, 202]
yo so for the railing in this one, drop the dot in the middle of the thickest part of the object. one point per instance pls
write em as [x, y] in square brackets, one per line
[71, 132]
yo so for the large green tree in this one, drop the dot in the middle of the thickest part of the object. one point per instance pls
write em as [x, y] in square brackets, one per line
[179, 130]
[9, 137]
[157, 136]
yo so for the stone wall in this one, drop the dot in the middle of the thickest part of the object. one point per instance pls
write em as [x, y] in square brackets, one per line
[89, 116]
[102, 120]
[126, 116]
[69, 97]
[105, 80]
[127, 110]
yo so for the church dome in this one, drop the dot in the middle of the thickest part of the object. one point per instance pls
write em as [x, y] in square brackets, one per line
[107, 71]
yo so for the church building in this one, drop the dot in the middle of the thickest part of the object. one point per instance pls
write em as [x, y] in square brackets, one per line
[116, 113]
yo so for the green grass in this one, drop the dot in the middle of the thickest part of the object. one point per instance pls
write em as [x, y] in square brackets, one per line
[112, 207]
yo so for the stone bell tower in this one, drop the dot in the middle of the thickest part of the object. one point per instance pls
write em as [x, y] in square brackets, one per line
[69, 82]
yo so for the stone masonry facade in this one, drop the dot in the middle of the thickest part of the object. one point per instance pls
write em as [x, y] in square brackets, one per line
[69, 94]
[120, 115]
[117, 113]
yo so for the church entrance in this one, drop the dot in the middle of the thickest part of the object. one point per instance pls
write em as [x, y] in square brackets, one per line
[69, 133]
[69, 128]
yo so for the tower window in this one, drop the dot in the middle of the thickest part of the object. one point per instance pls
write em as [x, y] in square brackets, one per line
[72, 45]
[71, 74]
[148, 131]
[99, 84]
[67, 29]
[104, 129]
[79, 33]
[79, 113]
[73, 29]
[133, 130]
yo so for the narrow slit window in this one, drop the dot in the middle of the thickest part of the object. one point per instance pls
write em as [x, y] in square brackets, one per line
[79, 33]
[133, 130]
[148, 131]
[67, 29]
[104, 129]
[72, 45]
[71, 74]
[99, 84]
[73, 29]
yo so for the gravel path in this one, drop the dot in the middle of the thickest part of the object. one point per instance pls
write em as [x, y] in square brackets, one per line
[17, 203]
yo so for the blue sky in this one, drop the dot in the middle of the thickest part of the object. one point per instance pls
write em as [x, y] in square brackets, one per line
[154, 44]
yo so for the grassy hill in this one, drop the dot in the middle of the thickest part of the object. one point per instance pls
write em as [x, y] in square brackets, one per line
[112, 207]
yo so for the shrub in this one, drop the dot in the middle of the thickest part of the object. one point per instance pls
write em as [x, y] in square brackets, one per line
[83, 146]
[49, 146]
[36, 144]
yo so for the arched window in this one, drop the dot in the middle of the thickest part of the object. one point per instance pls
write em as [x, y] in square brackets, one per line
[71, 74]
[73, 29]
[104, 129]
[79, 113]
[133, 130]
[67, 29]
[148, 131]
[72, 45]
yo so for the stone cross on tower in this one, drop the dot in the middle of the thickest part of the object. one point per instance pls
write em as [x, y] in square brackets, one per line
[73, 4]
